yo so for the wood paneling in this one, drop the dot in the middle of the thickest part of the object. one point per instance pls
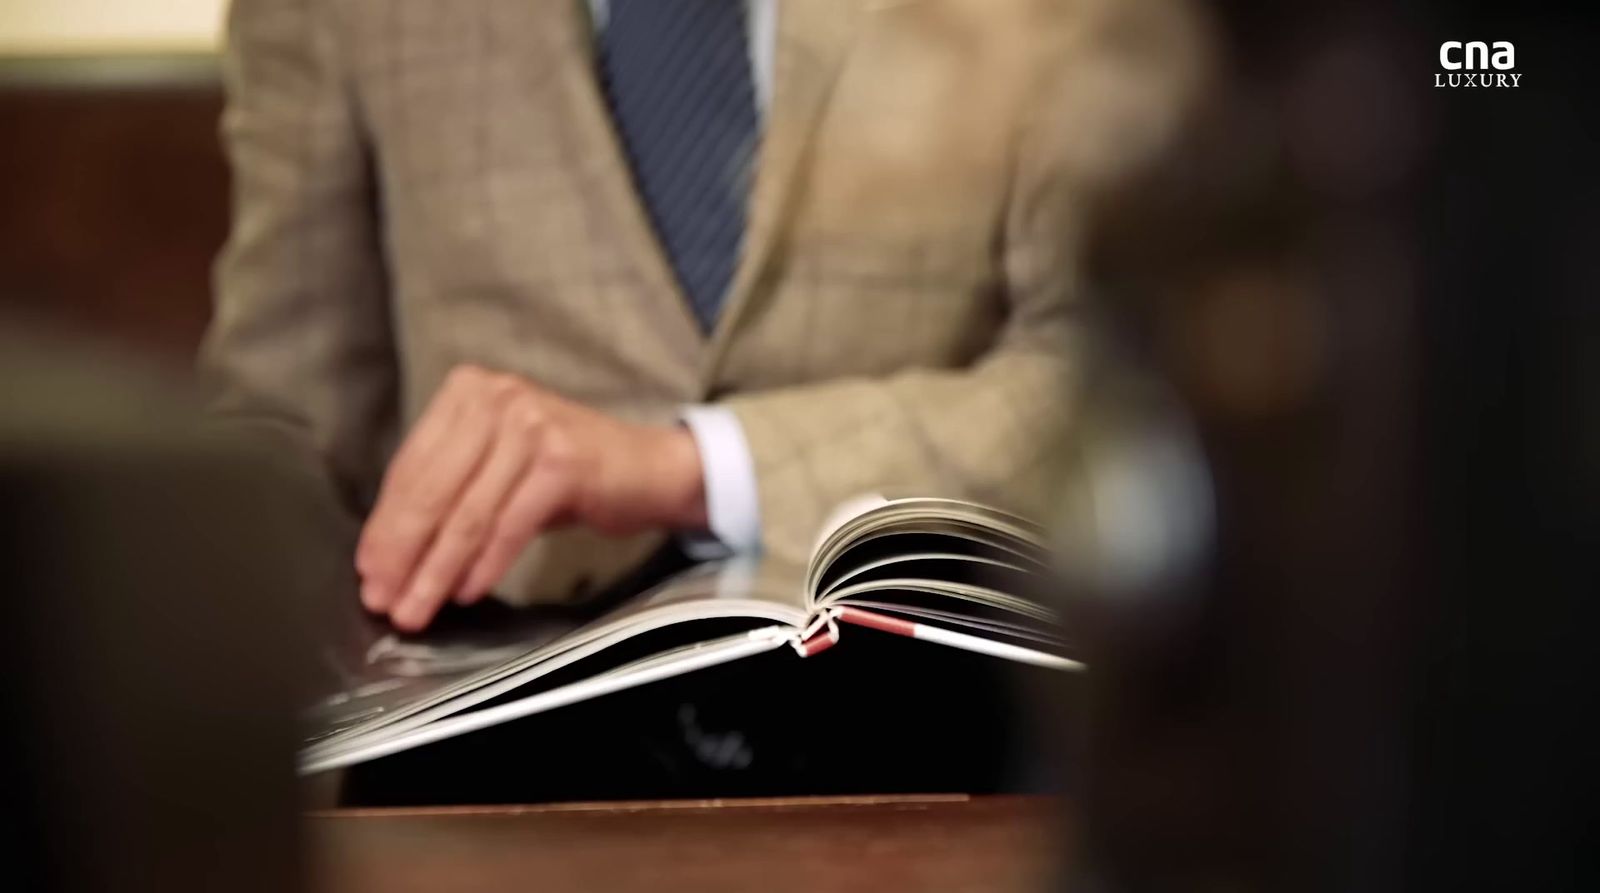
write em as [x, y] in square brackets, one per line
[114, 197]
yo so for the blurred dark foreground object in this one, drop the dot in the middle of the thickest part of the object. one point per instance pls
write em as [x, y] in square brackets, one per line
[1377, 300]
[148, 654]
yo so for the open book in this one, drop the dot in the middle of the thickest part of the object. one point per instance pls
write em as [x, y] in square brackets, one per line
[949, 572]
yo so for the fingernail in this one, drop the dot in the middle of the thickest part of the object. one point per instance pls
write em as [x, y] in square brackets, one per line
[374, 597]
[407, 615]
[405, 622]
[413, 609]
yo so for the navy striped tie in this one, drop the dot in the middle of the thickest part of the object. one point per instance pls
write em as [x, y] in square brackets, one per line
[678, 77]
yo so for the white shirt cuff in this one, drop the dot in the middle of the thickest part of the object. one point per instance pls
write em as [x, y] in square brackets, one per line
[732, 506]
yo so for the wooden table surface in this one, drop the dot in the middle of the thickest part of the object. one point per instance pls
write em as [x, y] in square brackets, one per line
[881, 844]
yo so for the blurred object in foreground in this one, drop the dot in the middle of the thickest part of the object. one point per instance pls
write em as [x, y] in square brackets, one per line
[1372, 297]
[1248, 732]
[150, 655]
[1139, 514]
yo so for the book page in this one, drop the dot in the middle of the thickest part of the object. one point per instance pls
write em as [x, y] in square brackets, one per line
[958, 572]
[857, 523]
[375, 675]
[843, 514]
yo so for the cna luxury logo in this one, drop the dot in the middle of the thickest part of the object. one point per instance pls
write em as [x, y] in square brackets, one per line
[1469, 64]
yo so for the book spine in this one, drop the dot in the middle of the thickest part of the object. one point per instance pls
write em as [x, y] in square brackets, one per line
[819, 636]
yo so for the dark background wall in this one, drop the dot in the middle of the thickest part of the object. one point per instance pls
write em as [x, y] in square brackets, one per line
[113, 197]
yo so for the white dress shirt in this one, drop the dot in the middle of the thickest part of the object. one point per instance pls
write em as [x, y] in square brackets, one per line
[732, 508]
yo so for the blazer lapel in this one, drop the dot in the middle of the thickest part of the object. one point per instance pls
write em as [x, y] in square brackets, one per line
[570, 36]
[813, 39]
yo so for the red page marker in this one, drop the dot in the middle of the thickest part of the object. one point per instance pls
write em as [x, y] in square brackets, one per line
[954, 639]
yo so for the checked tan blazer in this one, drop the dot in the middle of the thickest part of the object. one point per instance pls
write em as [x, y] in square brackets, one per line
[425, 183]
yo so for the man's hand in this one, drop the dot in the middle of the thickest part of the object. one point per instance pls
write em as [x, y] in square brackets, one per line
[493, 462]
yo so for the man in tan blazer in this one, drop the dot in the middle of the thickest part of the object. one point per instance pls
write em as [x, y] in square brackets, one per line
[452, 284]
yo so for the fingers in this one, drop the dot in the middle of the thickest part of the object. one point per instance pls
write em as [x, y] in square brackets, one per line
[463, 535]
[493, 462]
[541, 498]
[404, 523]
[423, 484]
[430, 432]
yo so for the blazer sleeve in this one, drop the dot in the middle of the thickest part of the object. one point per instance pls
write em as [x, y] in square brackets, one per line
[997, 430]
[300, 346]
